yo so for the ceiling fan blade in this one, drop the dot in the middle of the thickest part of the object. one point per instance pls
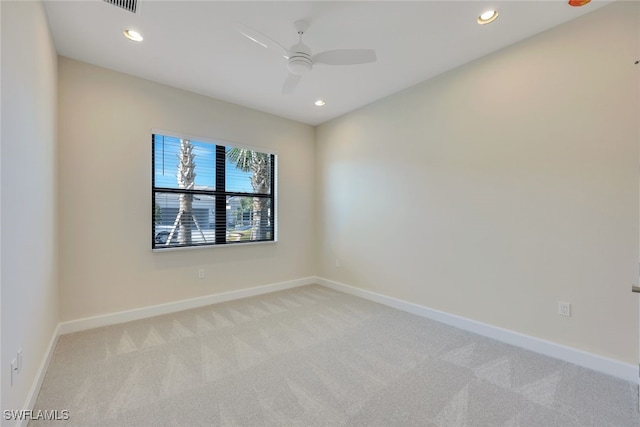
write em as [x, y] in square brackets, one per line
[290, 84]
[345, 57]
[262, 40]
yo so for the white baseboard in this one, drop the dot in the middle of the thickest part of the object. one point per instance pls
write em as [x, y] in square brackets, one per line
[582, 358]
[172, 307]
[42, 371]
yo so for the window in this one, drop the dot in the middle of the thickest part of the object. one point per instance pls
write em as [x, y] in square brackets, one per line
[208, 194]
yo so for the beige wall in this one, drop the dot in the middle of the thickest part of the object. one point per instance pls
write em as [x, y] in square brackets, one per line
[497, 189]
[29, 308]
[106, 260]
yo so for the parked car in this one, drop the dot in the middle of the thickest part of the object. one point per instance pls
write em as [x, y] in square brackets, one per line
[162, 233]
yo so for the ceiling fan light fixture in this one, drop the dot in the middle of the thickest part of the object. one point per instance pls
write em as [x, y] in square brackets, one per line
[299, 58]
[299, 66]
[133, 35]
[487, 17]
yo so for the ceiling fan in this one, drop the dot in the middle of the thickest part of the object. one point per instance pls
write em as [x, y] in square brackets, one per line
[299, 58]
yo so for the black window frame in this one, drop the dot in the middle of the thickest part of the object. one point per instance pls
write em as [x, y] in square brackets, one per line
[220, 195]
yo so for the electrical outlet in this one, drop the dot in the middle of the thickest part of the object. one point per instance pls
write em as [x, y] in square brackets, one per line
[201, 273]
[564, 308]
[337, 263]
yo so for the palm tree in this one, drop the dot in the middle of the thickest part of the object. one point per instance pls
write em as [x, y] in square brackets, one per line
[259, 164]
[186, 179]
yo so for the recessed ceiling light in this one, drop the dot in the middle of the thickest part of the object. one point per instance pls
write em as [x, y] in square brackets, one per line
[319, 102]
[133, 35]
[487, 17]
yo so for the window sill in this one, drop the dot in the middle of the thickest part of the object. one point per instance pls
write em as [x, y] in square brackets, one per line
[190, 248]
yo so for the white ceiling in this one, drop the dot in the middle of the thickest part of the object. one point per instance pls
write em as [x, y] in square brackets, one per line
[193, 44]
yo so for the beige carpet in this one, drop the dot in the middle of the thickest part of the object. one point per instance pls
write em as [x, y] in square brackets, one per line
[312, 356]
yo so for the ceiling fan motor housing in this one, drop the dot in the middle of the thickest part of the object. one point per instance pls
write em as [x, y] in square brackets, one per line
[300, 62]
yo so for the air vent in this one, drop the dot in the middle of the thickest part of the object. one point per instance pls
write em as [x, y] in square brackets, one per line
[130, 5]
